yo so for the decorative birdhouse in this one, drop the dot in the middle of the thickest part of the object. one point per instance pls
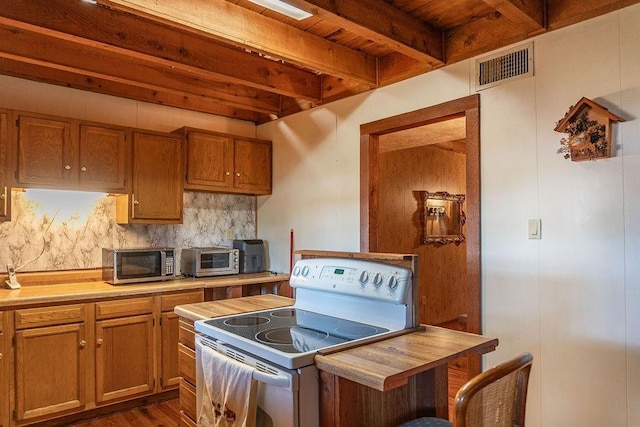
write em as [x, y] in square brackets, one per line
[588, 128]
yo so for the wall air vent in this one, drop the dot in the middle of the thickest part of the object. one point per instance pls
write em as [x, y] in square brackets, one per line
[513, 64]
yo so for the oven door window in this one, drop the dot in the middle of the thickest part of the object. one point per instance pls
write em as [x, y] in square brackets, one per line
[214, 260]
[134, 265]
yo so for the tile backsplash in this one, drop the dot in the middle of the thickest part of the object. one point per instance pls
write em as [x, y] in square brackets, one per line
[64, 230]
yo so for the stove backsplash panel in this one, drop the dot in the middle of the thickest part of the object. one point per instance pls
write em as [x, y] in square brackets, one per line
[55, 230]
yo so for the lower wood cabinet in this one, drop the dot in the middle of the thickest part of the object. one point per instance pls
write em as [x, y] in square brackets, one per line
[124, 357]
[3, 383]
[77, 357]
[169, 336]
[51, 361]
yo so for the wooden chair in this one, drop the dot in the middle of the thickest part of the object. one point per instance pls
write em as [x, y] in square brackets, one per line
[496, 398]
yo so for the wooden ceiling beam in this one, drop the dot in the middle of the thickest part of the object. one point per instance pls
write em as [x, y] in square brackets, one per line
[379, 21]
[18, 39]
[189, 51]
[234, 24]
[481, 36]
[42, 72]
[562, 13]
[530, 14]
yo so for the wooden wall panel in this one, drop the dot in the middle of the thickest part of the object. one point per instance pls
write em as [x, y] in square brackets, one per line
[442, 269]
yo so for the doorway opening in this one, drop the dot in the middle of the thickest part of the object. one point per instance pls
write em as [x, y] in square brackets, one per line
[432, 149]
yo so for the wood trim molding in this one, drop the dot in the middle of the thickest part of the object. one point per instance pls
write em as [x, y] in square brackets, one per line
[468, 107]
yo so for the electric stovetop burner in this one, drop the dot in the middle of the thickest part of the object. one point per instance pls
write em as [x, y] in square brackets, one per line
[339, 302]
[292, 330]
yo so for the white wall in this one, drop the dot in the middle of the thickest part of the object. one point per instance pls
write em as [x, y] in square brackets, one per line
[43, 98]
[572, 298]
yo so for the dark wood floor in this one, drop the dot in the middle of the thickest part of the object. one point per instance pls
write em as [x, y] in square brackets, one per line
[165, 414]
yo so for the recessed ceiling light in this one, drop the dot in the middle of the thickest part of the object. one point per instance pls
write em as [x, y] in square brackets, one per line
[284, 8]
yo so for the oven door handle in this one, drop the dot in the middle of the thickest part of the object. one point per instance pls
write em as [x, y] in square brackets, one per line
[276, 380]
[258, 375]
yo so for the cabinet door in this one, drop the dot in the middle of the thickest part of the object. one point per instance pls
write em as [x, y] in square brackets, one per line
[124, 357]
[50, 369]
[46, 154]
[209, 162]
[169, 335]
[253, 166]
[157, 178]
[5, 187]
[3, 386]
[103, 153]
[169, 370]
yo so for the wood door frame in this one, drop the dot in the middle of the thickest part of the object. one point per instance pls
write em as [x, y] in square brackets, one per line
[468, 107]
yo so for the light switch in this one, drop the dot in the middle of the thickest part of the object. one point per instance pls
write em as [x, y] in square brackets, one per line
[535, 228]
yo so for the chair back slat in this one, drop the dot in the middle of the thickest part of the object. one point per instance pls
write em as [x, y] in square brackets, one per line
[496, 397]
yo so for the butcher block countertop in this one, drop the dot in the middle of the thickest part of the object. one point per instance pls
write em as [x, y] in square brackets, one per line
[55, 293]
[207, 310]
[382, 365]
[387, 364]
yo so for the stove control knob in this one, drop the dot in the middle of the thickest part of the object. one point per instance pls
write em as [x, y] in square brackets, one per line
[377, 280]
[392, 282]
[364, 277]
[305, 270]
[296, 270]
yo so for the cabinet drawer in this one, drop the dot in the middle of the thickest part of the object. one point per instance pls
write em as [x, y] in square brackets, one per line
[187, 363]
[187, 334]
[124, 307]
[188, 399]
[169, 301]
[49, 316]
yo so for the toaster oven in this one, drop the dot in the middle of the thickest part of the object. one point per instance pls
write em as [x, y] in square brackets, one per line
[204, 262]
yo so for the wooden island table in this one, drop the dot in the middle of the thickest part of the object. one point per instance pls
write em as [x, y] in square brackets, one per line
[394, 380]
[377, 384]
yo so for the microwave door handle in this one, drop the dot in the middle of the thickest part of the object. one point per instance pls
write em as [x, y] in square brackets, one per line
[276, 380]
[163, 263]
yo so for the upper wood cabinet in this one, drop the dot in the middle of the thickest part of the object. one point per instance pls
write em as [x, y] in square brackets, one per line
[5, 185]
[157, 181]
[104, 154]
[225, 163]
[66, 154]
[252, 165]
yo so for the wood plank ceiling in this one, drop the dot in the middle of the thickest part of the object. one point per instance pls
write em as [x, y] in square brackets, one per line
[236, 59]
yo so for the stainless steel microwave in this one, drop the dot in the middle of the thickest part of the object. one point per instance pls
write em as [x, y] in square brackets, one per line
[203, 262]
[121, 266]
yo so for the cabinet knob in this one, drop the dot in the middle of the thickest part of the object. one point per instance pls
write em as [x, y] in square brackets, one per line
[67, 167]
[2, 196]
[237, 173]
[228, 173]
[83, 169]
[100, 341]
[83, 343]
[0, 356]
[136, 203]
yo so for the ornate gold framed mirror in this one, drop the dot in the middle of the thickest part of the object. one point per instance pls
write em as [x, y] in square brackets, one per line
[441, 217]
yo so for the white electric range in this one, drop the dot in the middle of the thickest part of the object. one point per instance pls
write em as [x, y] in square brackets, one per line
[340, 302]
